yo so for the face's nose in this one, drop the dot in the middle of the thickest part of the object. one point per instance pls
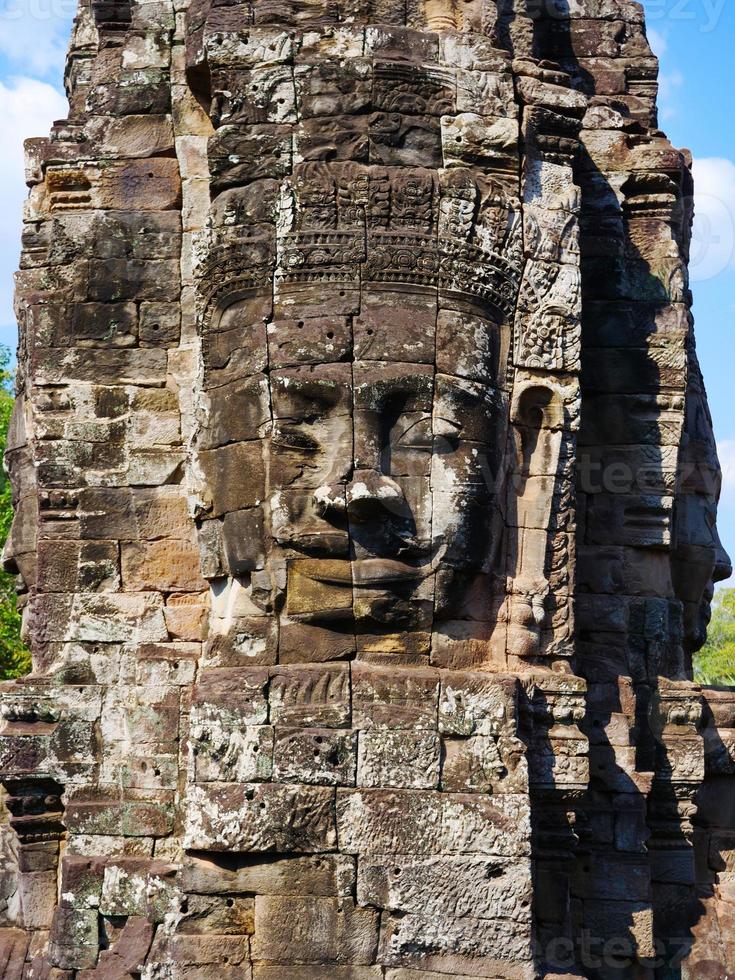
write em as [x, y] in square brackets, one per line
[381, 519]
[373, 496]
[8, 557]
[723, 563]
[330, 502]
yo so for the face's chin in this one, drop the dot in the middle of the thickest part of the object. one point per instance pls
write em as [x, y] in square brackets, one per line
[695, 631]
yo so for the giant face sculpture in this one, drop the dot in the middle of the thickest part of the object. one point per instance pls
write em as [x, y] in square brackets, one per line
[353, 418]
[699, 560]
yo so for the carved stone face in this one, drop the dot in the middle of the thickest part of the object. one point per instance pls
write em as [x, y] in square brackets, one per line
[20, 556]
[357, 285]
[343, 480]
[699, 558]
[700, 562]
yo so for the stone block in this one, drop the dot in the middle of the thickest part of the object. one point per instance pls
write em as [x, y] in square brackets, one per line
[401, 759]
[238, 156]
[379, 821]
[218, 874]
[260, 817]
[301, 643]
[267, 971]
[13, 947]
[471, 765]
[74, 939]
[315, 696]
[130, 818]
[480, 947]
[139, 888]
[385, 697]
[234, 476]
[321, 756]
[497, 825]
[485, 888]
[37, 898]
[187, 951]
[143, 185]
[129, 953]
[475, 703]
[209, 915]
[168, 564]
[229, 754]
[331, 930]
[236, 696]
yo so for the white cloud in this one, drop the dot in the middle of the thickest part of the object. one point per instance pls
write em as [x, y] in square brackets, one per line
[34, 34]
[713, 245]
[658, 42]
[29, 108]
[669, 82]
[726, 452]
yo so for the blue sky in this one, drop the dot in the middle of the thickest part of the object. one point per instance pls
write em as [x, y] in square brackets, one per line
[693, 39]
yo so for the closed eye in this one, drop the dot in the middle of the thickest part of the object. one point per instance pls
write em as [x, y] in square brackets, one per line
[293, 439]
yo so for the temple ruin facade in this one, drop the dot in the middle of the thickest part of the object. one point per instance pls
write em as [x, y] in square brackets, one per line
[366, 501]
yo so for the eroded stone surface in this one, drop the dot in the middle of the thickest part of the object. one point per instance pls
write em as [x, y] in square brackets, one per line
[365, 507]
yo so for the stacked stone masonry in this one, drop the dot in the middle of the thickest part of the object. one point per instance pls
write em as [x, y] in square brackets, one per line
[365, 507]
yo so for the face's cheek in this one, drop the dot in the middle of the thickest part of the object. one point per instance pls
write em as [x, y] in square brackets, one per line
[466, 473]
[310, 452]
[698, 562]
[461, 530]
[20, 553]
[244, 540]
[309, 457]
[308, 463]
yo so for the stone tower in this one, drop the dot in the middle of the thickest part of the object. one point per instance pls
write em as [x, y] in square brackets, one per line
[365, 507]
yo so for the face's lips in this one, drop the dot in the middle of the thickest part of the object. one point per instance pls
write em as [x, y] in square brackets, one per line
[366, 573]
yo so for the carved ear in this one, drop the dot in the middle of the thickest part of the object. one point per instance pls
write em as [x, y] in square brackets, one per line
[537, 415]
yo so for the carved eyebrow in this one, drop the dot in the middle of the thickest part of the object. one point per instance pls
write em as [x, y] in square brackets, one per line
[290, 438]
[414, 424]
[390, 392]
[455, 423]
[309, 390]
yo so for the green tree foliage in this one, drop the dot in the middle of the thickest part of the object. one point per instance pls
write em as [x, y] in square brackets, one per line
[15, 659]
[715, 663]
